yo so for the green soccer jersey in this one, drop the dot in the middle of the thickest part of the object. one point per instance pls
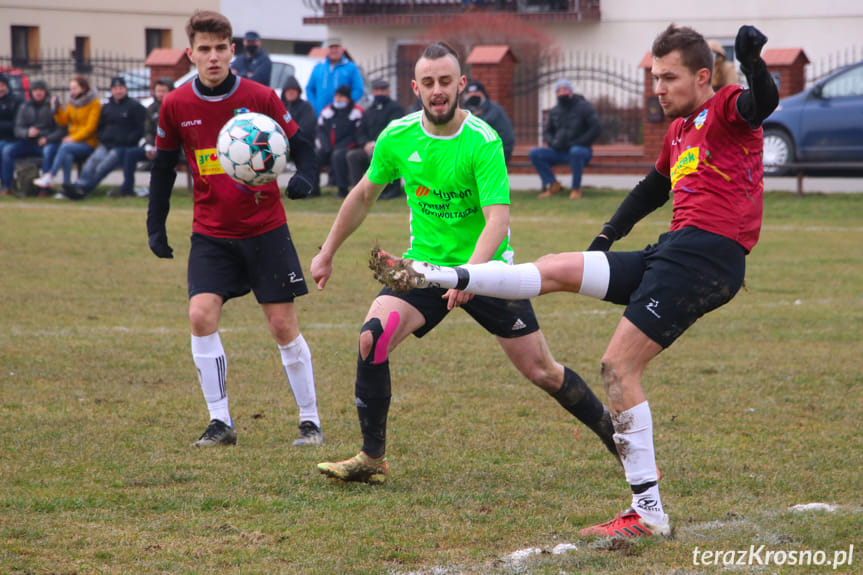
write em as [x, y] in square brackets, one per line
[448, 180]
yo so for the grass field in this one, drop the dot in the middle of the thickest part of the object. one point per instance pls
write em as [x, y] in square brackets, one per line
[756, 409]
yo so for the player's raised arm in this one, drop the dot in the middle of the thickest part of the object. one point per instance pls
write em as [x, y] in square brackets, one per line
[352, 213]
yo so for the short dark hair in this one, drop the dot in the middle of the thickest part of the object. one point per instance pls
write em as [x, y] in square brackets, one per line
[694, 51]
[165, 81]
[440, 50]
[208, 22]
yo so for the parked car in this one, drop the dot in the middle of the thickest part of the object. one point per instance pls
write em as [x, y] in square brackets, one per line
[822, 124]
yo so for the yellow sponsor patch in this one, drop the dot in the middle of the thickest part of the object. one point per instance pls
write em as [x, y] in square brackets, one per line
[687, 163]
[208, 162]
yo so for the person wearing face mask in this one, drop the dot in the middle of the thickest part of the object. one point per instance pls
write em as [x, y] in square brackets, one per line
[254, 63]
[338, 127]
[478, 103]
[382, 111]
[572, 127]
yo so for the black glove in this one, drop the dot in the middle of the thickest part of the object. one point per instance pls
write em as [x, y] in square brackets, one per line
[599, 244]
[159, 244]
[603, 241]
[299, 187]
[747, 47]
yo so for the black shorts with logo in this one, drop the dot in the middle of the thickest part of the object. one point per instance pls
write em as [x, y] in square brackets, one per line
[266, 264]
[667, 286]
[506, 318]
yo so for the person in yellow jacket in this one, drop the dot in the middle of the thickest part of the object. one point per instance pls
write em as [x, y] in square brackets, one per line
[81, 118]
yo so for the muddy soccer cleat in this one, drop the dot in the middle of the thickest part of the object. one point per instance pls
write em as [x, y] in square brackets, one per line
[629, 524]
[217, 433]
[398, 274]
[310, 434]
[360, 468]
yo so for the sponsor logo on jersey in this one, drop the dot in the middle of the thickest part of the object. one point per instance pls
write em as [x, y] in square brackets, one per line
[422, 191]
[686, 163]
[415, 157]
[700, 119]
[207, 160]
[190, 123]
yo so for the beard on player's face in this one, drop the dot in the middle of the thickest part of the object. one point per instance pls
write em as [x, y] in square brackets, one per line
[444, 117]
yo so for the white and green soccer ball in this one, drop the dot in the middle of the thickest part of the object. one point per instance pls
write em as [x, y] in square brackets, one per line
[253, 149]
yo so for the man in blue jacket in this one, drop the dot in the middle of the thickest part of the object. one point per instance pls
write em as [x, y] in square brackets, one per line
[254, 63]
[334, 71]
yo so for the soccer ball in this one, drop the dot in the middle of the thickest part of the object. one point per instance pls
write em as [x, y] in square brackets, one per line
[253, 149]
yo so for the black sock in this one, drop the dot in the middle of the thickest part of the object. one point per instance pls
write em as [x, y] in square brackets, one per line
[578, 399]
[372, 391]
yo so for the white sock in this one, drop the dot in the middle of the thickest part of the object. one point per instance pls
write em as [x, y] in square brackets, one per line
[496, 278]
[297, 361]
[209, 357]
[502, 280]
[633, 434]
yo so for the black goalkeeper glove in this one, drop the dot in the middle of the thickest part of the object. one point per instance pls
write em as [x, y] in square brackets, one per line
[747, 47]
[299, 187]
[159, 244]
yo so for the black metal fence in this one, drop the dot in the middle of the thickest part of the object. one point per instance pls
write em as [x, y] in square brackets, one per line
[57, 67]
[614, 87]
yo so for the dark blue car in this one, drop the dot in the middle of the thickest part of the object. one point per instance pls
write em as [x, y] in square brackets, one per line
[822, 125]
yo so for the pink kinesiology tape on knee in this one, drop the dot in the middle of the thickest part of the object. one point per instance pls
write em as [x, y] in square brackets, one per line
[384, 341]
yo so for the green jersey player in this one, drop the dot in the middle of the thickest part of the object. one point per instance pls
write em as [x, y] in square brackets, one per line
[458, 193]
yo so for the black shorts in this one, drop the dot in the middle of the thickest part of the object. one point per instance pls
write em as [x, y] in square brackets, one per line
[506, 318]
[266, 264]
[672, 283]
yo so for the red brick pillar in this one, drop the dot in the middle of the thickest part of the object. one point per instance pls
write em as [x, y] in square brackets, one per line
[167, 62]
[494, 66]
[788, 67]
[654, 121]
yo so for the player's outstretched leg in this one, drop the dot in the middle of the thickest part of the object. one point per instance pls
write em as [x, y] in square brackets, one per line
[494, 278]
[360, 468]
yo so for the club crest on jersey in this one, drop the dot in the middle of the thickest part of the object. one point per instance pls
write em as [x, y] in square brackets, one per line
[287, 117]
[700, 119]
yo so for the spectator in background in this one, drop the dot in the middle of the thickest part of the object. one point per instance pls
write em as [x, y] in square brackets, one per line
[254, 63]
[476, 100]
[301, 111]
[36, 134]
[146, 149]
[304, 115]
[8, 110]
[572, 127]
[338, 127]
[121, 126]
[724, 72]
[328, 74]
[382, 111]
[81, 119]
